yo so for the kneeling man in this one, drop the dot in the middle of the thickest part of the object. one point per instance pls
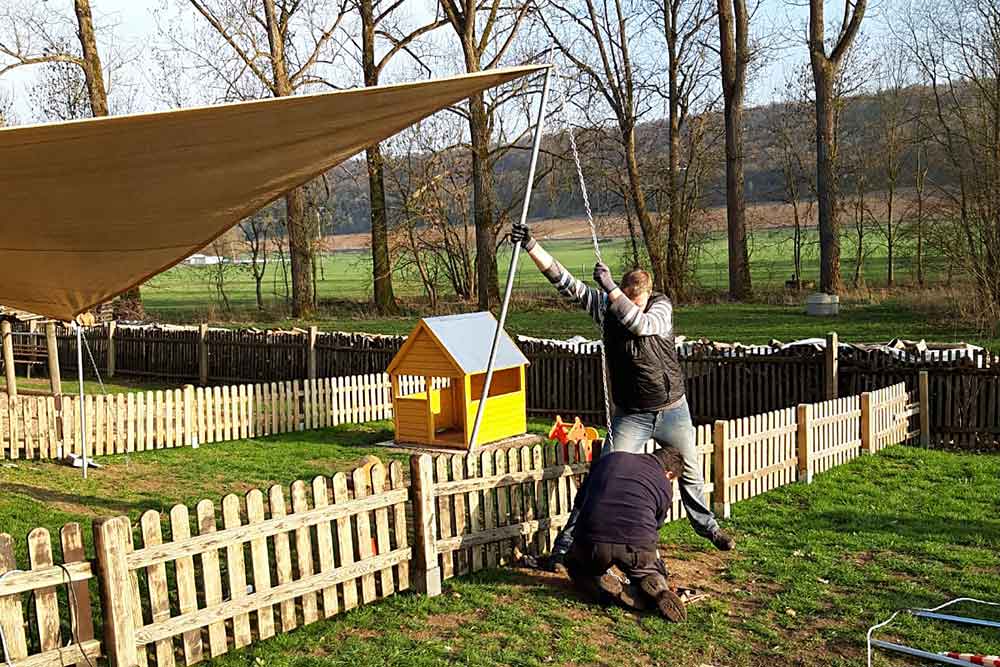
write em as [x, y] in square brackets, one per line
[622, 504]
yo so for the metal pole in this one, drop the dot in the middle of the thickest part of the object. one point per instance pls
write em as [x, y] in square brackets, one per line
[83, 418]
[513, 260]
[957, 619]
[917, 653]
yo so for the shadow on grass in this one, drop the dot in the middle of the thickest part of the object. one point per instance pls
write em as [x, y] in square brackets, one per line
[923, 527]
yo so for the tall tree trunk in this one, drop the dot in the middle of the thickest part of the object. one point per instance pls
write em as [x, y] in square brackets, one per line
[890, 237]
[93, 72]
[826, 181]
[662, 280]
[487, 286]
[733, 29]
[300, 230]
[385, 298]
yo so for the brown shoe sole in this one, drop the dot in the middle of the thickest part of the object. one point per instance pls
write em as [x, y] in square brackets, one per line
[671, 606]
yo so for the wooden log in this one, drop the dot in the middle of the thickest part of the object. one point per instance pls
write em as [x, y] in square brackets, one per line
[427, 572]
[111, 537]
[8, 359]
[55, 376]
[925, 409]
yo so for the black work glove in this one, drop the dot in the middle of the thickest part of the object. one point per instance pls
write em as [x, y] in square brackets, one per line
[519, 233]
[602, 276]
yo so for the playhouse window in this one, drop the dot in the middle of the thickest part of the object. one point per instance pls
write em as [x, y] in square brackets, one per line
[506, 381]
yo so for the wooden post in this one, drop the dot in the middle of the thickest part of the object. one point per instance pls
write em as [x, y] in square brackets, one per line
[8, 358]
[925, 409]
[832, 365]
[868, 439]
[804, 442]
[202, 354]
[112, 326]
[190, 433]
[426, 575]
[311, 357]
[111, 537]
[720, 470]
[55, 377]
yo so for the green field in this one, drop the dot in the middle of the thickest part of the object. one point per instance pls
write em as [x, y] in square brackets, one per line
[346, 275]
[814, 567]
[183, 294]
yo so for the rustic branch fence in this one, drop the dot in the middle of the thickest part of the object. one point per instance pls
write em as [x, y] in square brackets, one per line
[264, 564]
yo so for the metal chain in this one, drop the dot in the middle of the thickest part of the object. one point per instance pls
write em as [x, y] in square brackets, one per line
[597, 252]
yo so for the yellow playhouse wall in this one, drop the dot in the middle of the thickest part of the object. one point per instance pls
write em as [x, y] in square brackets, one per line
[505, 416]
[424, 357]
[411, 419]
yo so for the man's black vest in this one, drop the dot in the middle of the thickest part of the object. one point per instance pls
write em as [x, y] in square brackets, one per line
[644, 371]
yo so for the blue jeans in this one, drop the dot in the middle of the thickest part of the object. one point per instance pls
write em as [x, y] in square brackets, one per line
[668, 428]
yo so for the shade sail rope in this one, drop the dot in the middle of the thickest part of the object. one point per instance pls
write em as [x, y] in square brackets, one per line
[597, 253]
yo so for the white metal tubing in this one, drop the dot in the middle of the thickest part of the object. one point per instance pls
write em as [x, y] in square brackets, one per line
[83, 418]
[536, 144]
[957, 619]
[917, 653]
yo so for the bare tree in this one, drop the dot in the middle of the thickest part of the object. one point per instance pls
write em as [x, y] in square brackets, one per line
[826, 65]
[7, 116]
[379, 26]
[789, 132]
[608, 73]
[734, 40]
[274, 48]
[956, 47]
[258, 231]
[484, 44]
[892, 140]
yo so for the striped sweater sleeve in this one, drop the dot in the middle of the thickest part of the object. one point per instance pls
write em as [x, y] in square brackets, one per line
[657, 321]
[593, 300]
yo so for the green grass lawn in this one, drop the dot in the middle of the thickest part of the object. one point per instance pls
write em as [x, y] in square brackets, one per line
[815, 564]
[185, 292]
[117, 385]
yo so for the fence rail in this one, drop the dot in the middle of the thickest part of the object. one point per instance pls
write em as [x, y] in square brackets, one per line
[43, 427]
[40, 628]
[264, 564]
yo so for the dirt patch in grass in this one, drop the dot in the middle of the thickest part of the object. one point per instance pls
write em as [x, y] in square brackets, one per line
[438, 626]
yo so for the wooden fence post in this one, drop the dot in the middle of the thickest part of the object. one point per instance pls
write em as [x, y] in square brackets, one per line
[804, 442]
[190, 433]
[202, 354]
[8, 358]
[112, 326]
[868, 439]
[925, 409]
[832, 365]
[311, 357]
[111, 537]
[55, 377]
[720, 470]
[427, 574]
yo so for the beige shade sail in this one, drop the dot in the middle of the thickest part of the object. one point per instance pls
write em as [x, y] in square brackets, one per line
[91, 208]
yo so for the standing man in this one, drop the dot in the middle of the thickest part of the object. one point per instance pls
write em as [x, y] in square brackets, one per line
[647, 382]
